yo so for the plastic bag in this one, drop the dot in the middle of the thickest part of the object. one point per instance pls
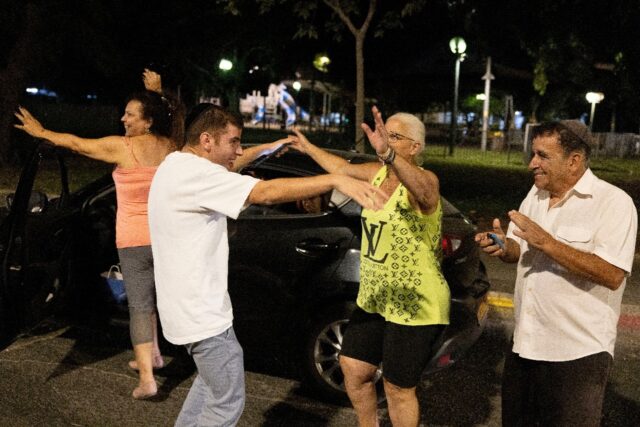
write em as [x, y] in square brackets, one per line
[114, 281]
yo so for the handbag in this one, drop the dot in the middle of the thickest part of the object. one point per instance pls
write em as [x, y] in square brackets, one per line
[115, 283]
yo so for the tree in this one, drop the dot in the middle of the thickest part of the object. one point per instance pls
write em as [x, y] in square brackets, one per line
[357, 17]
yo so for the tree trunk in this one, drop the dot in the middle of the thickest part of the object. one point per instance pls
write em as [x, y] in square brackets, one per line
[14, 76]
[359, 119]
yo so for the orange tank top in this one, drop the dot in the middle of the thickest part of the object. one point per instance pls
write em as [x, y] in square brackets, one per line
[132, 194]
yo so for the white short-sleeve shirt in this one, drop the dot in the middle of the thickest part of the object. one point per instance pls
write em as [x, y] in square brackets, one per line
[559, 315]
[189, 202]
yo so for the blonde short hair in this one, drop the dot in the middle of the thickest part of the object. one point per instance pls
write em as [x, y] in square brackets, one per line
[415, 127]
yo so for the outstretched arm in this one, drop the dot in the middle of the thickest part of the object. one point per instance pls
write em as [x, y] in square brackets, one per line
[422, 184]
[290, 189]
[252, 153]
[332, 163]
[109, 149]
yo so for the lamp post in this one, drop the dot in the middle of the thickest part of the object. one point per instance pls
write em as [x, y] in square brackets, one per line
[225, 65]
[458, 46]
[593, 98]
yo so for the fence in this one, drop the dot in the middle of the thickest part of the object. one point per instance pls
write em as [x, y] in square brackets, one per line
[514, 146]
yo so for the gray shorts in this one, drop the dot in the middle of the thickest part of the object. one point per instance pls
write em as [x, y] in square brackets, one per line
[136, 264]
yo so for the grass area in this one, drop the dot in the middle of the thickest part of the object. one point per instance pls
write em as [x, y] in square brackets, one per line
[481, 184]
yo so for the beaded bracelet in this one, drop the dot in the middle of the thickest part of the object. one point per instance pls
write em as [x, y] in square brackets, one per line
[388, 157]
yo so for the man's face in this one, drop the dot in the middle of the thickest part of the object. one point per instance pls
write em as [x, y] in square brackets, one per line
[226, 147]
[550, 165]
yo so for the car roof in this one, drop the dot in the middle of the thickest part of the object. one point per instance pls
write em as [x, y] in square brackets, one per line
[303, 165]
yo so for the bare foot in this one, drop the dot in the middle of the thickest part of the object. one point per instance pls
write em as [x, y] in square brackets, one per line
[145, 390]
[158, 363]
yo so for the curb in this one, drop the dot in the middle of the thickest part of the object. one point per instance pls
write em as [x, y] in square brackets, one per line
[500, 299]
[629, 313]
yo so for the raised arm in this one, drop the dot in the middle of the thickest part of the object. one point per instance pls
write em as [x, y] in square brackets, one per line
[252, 153]
[152, 81]
[109, 149]
[332, 163]
[422, 184]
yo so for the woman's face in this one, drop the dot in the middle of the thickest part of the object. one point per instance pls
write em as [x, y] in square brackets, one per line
[134, 124]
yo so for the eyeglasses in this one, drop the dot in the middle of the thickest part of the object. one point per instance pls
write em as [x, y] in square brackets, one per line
[395, 136]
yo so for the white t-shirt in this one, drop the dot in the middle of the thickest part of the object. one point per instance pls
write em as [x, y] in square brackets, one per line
[559, 315]
[189, 202]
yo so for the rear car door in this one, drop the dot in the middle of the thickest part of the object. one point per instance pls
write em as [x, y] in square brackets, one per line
[34, 239]
[282, 259]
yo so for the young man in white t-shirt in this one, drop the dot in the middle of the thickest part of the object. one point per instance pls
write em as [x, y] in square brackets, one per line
[192, 194]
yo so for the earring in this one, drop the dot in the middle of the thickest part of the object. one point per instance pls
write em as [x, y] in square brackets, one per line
[148, 130]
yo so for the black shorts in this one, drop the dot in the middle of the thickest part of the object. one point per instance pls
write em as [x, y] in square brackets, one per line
[403, 350]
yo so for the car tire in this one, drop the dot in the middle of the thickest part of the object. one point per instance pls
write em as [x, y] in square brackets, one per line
[321, 363]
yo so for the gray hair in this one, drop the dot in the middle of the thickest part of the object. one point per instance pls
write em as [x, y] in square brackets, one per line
[415, 127]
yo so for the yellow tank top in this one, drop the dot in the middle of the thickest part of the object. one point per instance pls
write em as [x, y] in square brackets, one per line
[400, 273]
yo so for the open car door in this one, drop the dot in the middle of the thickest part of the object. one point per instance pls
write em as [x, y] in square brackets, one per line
[33, 239]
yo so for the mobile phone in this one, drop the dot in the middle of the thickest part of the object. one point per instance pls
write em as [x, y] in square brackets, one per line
[498, 241]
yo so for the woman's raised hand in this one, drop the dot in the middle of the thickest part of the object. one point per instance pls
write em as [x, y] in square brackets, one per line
[28, 123]
[152, 81]
[379, 137]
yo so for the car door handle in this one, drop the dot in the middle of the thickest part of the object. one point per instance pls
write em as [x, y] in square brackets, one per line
[315, 247]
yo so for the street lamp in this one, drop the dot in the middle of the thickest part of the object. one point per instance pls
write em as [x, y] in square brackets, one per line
[297, 85]
[225, 64]
[321, 62]
[593, 98]
[458, 46]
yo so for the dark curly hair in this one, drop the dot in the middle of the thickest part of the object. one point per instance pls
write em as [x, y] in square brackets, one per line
[165, 114]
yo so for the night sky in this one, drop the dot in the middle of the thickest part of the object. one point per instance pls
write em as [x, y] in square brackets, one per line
[99, 47]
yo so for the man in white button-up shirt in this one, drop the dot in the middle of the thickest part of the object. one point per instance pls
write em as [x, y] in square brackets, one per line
[574, 241]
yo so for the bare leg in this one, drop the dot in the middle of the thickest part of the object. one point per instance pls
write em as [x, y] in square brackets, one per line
[157, 362]
[404, 410]
[358, 380]
[147, 386]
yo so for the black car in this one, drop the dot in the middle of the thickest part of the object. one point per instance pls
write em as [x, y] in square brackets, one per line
[293, 274]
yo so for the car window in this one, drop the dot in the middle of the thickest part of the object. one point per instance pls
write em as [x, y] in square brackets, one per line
[48, 181]
[311, 206]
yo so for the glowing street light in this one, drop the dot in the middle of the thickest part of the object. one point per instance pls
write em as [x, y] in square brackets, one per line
[458, 47]
[297, 85]
[225, 64]
[593, 98]
[321, 62]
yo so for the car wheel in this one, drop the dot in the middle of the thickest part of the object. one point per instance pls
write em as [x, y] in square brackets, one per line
[322, 366]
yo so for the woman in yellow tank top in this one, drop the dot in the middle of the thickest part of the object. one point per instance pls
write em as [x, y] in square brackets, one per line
[403, 300]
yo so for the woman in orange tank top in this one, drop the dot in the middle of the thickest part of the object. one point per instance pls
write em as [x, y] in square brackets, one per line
[152, 130]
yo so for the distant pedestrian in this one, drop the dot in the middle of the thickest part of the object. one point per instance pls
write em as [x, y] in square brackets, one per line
[192, 194]
[574, 241]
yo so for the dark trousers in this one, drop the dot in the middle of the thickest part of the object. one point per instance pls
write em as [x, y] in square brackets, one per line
[538, 393]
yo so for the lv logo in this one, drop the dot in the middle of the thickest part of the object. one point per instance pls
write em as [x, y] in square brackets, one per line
[373, 232]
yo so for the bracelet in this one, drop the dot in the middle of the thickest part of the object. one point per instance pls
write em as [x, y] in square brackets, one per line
[385, 155]
[388, 157]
